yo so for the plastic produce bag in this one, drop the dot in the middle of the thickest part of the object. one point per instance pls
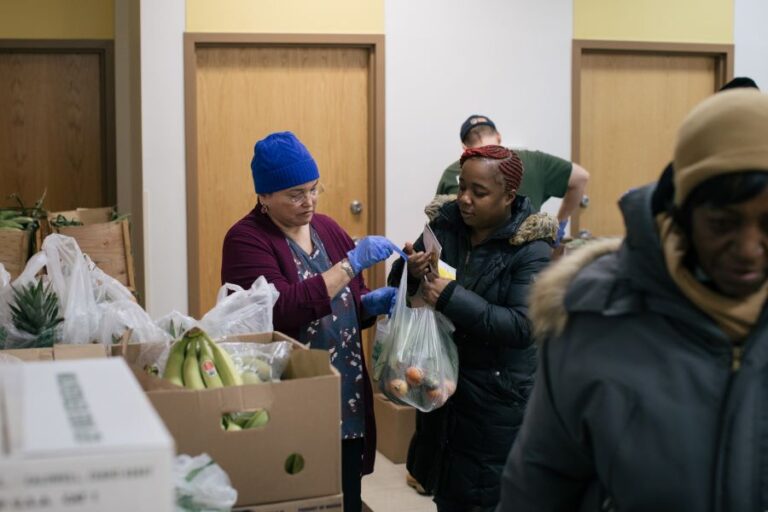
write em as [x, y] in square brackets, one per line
[5, 277]
[418, 363]
[10, 336]
[201, 485]
[242, 311]
[5, 280]
[176, 324]
[124, 315]
[259, 362]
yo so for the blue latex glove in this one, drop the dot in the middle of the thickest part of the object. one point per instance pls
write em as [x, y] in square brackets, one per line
[371, 250]
[380, 301]
[560, 232]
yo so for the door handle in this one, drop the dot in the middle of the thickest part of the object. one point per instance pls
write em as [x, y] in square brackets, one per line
[584, 201]
[356, 207]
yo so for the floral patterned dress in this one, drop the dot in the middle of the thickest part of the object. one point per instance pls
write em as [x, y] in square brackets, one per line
[339, 334]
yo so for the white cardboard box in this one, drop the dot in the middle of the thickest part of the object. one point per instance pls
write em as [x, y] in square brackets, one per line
[81, 436]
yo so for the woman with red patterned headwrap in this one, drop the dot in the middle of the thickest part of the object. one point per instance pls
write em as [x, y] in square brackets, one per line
[491, 236]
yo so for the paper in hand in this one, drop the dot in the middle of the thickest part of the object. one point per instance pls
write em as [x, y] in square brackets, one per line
[432, 247]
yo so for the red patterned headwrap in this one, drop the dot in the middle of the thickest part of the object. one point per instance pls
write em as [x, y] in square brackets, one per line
[509, 164]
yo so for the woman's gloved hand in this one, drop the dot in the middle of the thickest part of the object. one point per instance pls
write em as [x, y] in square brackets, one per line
[560, 231]
[371, 250]
[380, 301]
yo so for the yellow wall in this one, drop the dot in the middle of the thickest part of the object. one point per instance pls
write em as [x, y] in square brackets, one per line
[57, 19]
[688, 21]
[286, 16]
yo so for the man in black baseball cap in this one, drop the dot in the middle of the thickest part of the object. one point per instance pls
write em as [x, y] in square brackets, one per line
[473, 121]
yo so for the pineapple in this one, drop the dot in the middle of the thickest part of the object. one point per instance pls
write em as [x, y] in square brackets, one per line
[36, 311]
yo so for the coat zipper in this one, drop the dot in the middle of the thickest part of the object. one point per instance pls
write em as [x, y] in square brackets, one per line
[737, 356]
[737, 351]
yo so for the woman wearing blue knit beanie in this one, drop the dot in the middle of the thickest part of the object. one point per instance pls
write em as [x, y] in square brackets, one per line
[317, 268]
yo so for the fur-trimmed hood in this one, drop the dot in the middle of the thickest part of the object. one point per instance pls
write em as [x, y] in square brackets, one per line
[614, 277]
[547, 300]
[537, 226]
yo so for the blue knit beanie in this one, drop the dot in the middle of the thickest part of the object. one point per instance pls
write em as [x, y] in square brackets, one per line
[281, 161]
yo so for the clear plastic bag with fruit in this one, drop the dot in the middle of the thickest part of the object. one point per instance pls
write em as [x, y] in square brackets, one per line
[417, 364]
[259, 362]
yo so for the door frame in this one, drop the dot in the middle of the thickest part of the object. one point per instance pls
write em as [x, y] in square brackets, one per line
[723, 53]
[104, 49]
[374, 43]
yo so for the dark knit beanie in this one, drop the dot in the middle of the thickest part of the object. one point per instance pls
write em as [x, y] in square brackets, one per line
[281, 161]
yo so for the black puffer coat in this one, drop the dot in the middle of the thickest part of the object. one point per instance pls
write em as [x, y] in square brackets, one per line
[460, 449]
[642, 403]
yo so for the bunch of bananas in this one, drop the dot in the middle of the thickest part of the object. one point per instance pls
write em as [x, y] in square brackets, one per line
[15, 219]
[197, 362]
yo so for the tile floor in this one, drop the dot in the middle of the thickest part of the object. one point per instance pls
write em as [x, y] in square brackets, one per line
[385, 490]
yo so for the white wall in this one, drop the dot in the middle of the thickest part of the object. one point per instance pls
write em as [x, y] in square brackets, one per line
[751, 45]
[447, 59]
[162, 130]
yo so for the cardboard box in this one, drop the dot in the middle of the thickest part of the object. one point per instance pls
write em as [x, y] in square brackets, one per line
[304, 418]
[395, 425]
[73, 443]
[64, 352]
[14, 250]
[335, 503]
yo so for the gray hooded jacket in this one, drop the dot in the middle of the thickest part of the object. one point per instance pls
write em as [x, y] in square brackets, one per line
[641, 402]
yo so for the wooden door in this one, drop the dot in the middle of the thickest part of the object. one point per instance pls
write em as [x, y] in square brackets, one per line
[322, 94]
[631, 105]
[54, 129]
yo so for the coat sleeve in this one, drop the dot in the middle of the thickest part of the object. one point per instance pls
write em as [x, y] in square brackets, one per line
[504, 324]
[547, 470]
[246, 257]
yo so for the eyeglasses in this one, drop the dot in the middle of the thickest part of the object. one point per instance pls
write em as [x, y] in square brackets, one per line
[297, 196]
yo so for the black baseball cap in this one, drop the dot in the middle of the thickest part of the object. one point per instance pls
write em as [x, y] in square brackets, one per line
[472, 121]
[738, 82]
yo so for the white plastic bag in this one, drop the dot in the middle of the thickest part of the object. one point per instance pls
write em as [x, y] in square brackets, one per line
[79, 285]
[259, 362]
[176, 324]
[243, 311]
[10, 336]
[201, 485]
[125, 315]
[5, 280]
[5, 277]
[68, 270]
[417, 363]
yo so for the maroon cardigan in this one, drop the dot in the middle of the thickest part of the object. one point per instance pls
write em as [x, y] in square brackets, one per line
[255, 247]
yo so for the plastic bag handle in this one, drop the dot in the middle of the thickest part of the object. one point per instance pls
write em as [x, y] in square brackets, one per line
[225, 289]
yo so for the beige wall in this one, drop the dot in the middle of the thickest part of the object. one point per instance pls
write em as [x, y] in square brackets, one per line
[286, 16]
[687, 21]
[57, 19]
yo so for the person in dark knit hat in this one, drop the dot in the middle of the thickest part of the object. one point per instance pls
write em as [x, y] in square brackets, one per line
[651, 393]
[497, 244]
[316, 267]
